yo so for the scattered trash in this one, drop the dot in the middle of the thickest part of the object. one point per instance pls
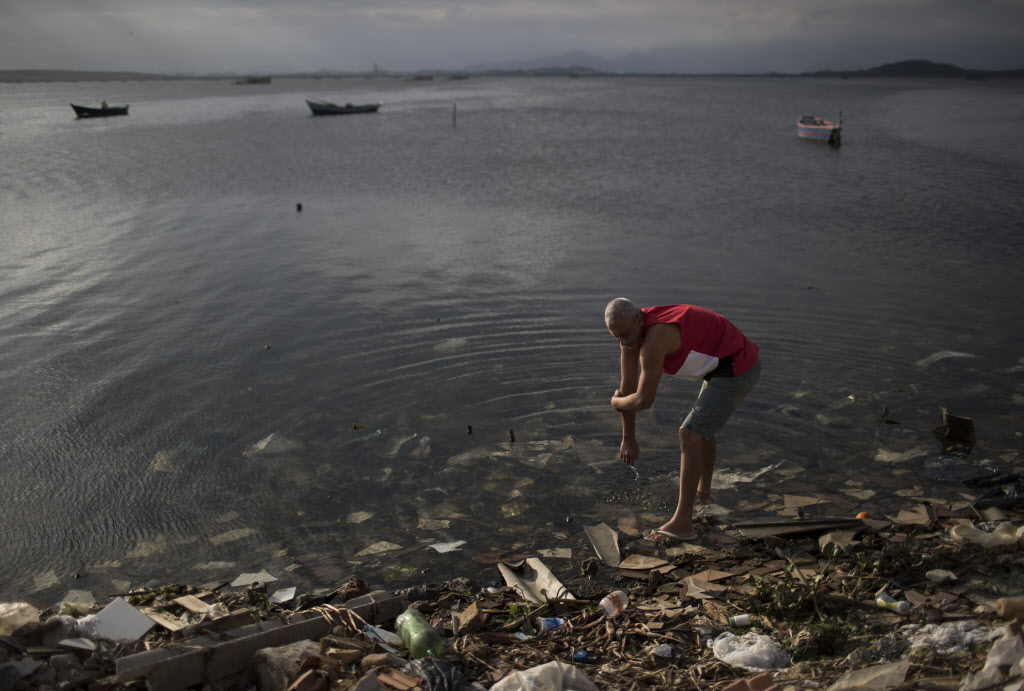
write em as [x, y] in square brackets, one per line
[377, 548]
[552, 676]
[118, 621]
[752, 652]
[740, 620]
[940, 576]
[420, 638]
[606, 543]
[885, 601]
[1010, 607]
[283, 595]
[762, 682]
[950, 636]
[14, 615]
[580, 657]
[445, 547]
[664, 650]
[534, 581]
[1003, 535]
[1004, 664]
[545, 624]
[874, 678]
[384, 638]
[250, 578]
[614, 603]
[955, 433]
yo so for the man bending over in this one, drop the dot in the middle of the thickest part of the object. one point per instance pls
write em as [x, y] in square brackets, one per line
[692, 343]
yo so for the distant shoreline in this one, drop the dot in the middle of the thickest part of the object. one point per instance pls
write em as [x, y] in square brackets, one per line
[906, 68]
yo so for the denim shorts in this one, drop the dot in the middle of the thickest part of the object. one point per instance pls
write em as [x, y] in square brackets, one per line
[717, 400]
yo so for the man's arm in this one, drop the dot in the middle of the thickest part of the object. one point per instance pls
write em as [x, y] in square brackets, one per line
[658, 344]
[629, 367]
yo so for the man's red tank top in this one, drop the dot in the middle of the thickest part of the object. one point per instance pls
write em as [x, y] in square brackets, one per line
[711, 345]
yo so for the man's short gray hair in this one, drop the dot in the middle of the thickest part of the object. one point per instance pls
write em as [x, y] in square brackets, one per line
[620, 309]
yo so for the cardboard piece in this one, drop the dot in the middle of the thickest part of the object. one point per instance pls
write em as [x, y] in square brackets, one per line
[119, 621]
[640, 562]
[534, 581]
[250, 578]
[606, 543]
[283, 595]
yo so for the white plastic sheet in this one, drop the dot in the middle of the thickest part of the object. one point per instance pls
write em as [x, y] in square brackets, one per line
[752, 652]
[551, 676]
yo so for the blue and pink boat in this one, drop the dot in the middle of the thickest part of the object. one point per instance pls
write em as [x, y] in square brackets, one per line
[819, 129]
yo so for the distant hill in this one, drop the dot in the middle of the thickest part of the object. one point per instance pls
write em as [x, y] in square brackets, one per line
[575, 64]
[918, 68]
[79, 76]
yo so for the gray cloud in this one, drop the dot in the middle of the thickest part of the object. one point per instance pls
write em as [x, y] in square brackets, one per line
[683, 35]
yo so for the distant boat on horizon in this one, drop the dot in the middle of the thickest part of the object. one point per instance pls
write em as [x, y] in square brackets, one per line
[819, 129]
[104, 111]
[320, 107]
[252, 80]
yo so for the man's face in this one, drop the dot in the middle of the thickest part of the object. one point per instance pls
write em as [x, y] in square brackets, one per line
[628, 332]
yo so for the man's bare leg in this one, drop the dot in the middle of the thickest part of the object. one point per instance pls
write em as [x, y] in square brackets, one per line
[696, 462]
[704, 486]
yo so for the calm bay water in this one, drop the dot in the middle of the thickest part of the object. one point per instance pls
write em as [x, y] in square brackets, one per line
[164, 308]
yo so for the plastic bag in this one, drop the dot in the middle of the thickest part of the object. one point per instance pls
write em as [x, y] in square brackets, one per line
[1005, 661]
[752, 652]
[552, 676]
[949, 637]
[874, 678]
[438, 675]
[1003, 535]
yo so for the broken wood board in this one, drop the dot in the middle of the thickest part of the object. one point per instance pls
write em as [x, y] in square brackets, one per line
[794, 528]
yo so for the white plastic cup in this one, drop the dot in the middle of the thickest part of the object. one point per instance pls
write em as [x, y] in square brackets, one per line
[614, 603]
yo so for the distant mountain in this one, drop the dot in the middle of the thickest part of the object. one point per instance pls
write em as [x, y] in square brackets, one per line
[78, 76]
[575, 61]
[918, 68]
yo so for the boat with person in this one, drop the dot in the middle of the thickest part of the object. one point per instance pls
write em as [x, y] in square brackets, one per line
[104, 111]
[320, 107]
[820, 129]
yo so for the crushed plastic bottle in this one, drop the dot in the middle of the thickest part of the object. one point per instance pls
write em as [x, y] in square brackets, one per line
[615, 603]
[885, 600]
[420, 638]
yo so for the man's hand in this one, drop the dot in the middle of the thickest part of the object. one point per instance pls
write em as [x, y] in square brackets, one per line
[618, 401]
[628, 452]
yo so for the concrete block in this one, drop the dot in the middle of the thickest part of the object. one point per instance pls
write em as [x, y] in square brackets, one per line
[275, 669]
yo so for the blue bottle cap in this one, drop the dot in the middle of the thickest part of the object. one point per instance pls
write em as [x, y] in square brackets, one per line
[581, 656]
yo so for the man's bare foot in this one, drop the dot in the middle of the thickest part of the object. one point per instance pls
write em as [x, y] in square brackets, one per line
[678, 530]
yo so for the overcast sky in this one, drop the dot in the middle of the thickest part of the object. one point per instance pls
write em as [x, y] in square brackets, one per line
[203, 36]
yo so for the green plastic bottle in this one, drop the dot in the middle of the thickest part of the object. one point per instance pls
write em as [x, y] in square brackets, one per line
[420, 638]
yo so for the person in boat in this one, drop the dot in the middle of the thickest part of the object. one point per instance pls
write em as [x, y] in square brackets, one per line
[103, 105]
[692, 343]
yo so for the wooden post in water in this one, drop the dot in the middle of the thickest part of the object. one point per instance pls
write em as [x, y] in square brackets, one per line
[453, 115]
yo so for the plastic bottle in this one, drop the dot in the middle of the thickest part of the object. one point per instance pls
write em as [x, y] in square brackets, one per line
[545, 624]
[885, 600]
[614, 603]
[740, 620]
[420, 638]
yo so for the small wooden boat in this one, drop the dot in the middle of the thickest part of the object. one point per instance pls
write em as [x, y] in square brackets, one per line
[104, 111]
[819, 129]
[326, 108]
